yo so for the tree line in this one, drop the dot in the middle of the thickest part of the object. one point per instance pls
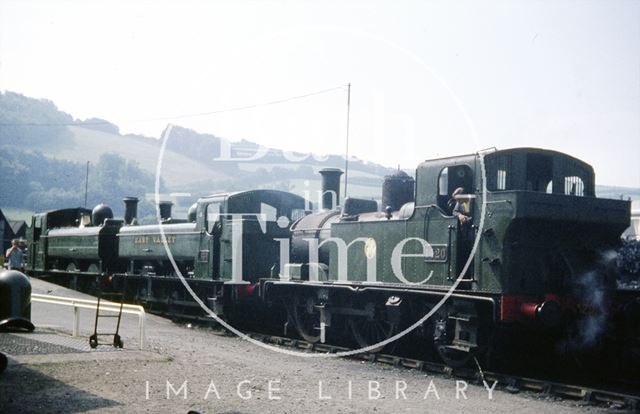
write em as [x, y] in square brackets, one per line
[31, 181]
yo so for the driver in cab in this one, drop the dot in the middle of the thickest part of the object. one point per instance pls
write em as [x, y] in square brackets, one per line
[462, 208]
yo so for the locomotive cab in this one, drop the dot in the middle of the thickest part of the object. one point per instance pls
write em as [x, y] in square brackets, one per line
[240, 234]
[546, 236]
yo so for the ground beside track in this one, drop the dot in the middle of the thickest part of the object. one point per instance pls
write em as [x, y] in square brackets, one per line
[63, 375]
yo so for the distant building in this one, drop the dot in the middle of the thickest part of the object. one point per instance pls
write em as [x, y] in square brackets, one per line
[9, 230]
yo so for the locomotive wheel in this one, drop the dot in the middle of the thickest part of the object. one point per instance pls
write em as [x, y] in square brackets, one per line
[306, 319]
[372, 329]
[93, 268]
[367, 333]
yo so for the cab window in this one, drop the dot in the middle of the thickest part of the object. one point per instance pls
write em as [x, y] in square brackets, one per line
[539, 172]
[451, 178]
[573, 186]
[443, 182]
[212, 216]
[499, 172]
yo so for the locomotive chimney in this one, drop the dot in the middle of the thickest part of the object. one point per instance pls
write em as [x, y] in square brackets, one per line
[165, 210]
[330, 187]
[130, 209]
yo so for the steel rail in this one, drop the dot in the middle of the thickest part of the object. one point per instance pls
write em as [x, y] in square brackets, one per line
[507, 382]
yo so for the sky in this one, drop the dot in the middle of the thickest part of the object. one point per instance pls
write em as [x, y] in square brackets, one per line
[428, 78]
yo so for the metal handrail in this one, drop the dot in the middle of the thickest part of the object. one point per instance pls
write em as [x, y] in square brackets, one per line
[92, 304]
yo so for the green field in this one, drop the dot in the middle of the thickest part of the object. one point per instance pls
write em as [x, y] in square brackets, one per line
[177, 172]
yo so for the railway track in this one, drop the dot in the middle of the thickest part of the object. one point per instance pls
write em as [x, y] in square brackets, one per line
[506, 382]
[512, 383]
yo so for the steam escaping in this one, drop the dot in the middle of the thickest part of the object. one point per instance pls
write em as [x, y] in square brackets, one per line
[592, 290]
[592, 295]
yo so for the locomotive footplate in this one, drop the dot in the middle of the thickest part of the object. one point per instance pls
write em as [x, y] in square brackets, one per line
[270, 288]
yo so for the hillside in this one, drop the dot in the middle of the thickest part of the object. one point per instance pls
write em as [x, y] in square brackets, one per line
[178, 170]
[48, 151]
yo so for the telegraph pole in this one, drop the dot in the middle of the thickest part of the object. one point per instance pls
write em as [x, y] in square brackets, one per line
[346, 158]
[86, 185]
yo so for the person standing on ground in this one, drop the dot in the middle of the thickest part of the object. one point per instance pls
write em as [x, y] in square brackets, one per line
[14, 256]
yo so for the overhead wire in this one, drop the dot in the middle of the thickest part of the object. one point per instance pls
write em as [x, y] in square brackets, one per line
[194, 115]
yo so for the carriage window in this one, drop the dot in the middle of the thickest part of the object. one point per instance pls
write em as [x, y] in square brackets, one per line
[573, 186]
[213, 215]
